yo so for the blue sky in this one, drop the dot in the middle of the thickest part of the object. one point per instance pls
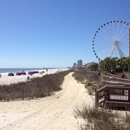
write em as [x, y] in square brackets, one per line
[53, 33]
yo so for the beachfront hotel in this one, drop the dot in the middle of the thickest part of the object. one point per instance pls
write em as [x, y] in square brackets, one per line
[79, 63]
[74, 65]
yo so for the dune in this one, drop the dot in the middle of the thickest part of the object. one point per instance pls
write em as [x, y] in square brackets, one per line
[52, 112]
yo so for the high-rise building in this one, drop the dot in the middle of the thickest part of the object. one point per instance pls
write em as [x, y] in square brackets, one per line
[79, 63]
[74, 65]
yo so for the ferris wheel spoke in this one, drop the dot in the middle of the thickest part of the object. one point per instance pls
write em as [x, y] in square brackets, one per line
[99, 39]
[123, 34]
[117, 30]
[100, 43]
[124, 44]
[109, 36]
[113, 31]
[104, 53]
[124, 47]
[120, 31]
[105, 37]
[105, 47]
[110, 32]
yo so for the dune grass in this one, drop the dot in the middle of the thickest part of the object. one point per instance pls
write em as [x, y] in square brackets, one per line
[98, 119]
[90, 79]
[101, 119]
[79, 76]
[37, 87]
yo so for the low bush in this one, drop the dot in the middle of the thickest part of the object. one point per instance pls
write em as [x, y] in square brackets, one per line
[91, 79]
[101, 119]
[79, 76]
[89, 87]
[91, 76]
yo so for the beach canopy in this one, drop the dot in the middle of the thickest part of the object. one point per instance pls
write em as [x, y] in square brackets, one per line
[32, 72]
[18, 73]
[23, 73]
[10, 74]
[35, 72]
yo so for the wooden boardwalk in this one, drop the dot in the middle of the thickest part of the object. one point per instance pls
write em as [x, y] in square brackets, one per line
[114, 94]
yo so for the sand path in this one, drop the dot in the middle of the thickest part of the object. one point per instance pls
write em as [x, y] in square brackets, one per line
[51, 113]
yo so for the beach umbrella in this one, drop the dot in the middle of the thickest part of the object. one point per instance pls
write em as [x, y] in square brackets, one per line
[30, 72]
[35, 72]
[10, 74]
[18, 73]
[23, 73]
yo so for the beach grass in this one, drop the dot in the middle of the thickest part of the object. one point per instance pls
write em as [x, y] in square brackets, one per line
[101, 119]
[35, 88]
[98, 118]
[90, 79]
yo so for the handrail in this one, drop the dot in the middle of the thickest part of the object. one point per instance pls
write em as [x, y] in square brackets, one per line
[112, 87]
[116, 82]
[115, 77]
[118, 102]
[102, 88]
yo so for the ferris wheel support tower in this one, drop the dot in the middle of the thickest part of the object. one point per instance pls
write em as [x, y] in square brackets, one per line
[116, 45]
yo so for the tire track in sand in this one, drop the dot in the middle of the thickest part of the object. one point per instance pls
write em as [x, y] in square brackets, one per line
[51, 116]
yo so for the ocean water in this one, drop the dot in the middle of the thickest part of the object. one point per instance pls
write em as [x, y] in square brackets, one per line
[7, 70]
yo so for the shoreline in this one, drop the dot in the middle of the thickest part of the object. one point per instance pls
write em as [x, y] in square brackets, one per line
[23, 69]
[7, 80]
[14, 70]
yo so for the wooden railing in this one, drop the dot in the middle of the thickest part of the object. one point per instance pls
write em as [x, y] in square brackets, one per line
[112, 79]
[104, 96]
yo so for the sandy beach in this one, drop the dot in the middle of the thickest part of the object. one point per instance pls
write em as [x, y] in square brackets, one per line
[54, 112]
[5, 79]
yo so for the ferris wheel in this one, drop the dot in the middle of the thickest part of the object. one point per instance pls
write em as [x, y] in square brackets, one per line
[112, 40]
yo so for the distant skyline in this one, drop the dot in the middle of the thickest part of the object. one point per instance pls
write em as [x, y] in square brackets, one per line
[53, 33]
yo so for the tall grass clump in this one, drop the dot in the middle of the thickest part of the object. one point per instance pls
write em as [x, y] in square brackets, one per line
[79, 76]
[90, 79]
[37, 87]
[101, 119]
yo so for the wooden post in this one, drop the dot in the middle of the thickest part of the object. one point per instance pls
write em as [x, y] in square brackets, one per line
[96, 98]
[123, 93]
[108, 94]
[22, 92]
[128, 95]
